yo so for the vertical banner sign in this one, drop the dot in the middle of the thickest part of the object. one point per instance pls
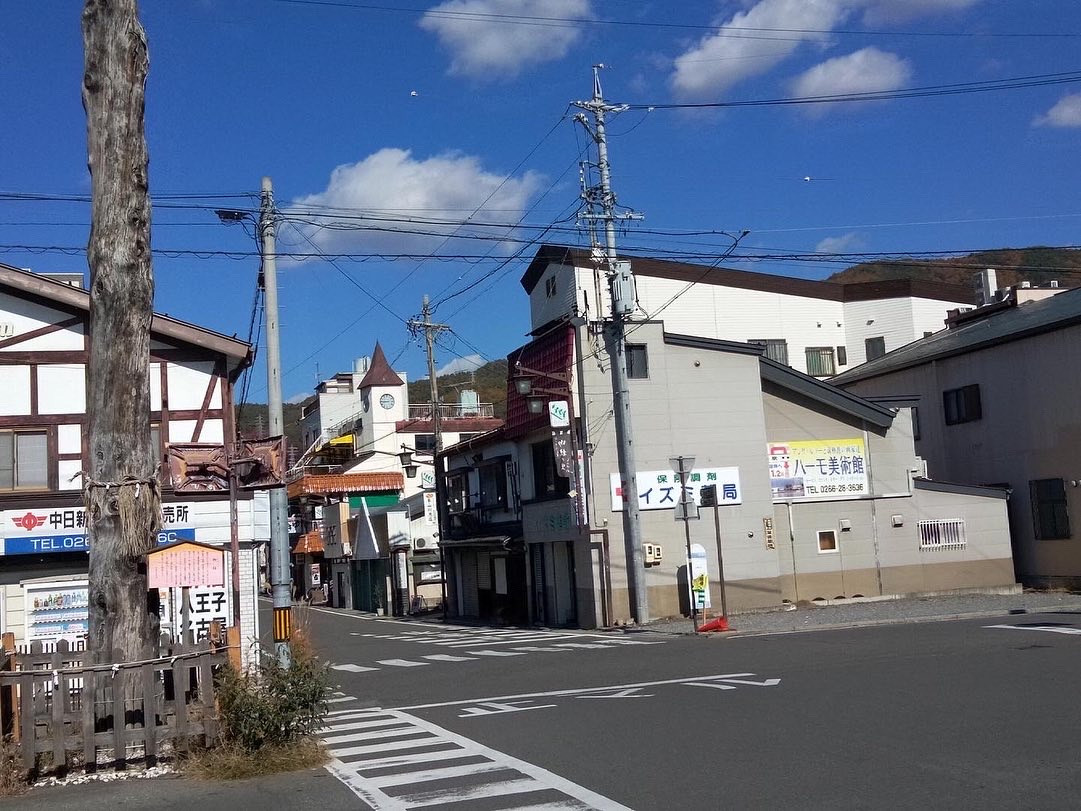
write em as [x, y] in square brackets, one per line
[698, 577]
[431, 517]
[561, 444]
[818, 468]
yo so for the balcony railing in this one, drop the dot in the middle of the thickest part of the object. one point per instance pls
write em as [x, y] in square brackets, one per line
[451, 411]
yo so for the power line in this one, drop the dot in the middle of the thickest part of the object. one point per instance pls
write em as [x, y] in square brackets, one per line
[736, 32]
[1037, 80]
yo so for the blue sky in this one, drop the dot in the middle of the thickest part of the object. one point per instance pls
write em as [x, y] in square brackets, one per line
[409, 115]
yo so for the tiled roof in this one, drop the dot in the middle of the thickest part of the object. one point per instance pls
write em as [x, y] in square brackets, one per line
[310, 543]
[380, 373]
[342, 483]
[552, 354]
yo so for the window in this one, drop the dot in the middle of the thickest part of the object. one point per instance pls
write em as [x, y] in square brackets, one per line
[827, 540]
[942, 533]
[465, 436]
[637, 362]
[820, 361]
[1050, 515]
[776, 348]
[550, 287]
[493, 486]
[24, 460]
[425, 443]
[962, 405]
[457, 493]
[547, 483]
[842, 356]
[876, 347]
[915, 422]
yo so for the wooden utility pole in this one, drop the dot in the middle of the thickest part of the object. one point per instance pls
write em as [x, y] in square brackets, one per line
[123, 503]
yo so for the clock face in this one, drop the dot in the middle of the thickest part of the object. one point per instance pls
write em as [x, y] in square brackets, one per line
[387, 401]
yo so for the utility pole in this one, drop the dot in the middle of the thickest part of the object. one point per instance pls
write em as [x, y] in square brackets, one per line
[120, 489]
[430, 331]
[280, 581]
[621, 287]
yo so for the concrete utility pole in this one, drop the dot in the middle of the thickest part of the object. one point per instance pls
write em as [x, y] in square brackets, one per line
[123, 505]
[621, 287]
[430, 331]
[280, 581]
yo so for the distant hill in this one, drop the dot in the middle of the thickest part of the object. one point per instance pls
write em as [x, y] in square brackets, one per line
[489, 381]
[1012, 265]
[252, 422]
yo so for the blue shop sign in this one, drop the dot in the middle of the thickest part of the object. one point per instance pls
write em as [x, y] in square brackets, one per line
[44, 544]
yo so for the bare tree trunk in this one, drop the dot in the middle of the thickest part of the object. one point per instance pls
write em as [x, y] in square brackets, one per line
[122, 497]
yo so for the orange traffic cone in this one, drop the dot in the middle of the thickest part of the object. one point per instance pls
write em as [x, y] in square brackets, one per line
[715, 624]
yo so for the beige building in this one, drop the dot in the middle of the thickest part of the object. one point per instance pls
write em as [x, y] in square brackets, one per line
[821, 494]
[995, 403]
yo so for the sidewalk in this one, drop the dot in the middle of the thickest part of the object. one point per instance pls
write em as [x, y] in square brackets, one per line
[810, 617]
[292, 791]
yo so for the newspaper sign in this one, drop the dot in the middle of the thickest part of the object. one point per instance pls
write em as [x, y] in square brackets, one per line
[818, 468]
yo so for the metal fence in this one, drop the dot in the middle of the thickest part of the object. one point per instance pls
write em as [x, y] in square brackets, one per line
[942, 533]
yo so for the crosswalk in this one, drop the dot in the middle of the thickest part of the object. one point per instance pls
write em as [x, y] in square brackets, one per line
[464, 636]
[486, 645]
[395, 761]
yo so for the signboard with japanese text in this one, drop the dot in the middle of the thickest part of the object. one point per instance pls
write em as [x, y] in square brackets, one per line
[698, 578]
[46, 530]
[561, 446]
[818, 468]
[662, 489]
[185, 564]
[207, 604]
[431, 514]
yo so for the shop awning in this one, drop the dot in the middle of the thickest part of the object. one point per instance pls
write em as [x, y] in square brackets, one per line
[310, 543]
[344, 483]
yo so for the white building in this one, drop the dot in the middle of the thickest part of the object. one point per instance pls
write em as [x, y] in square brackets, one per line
[819, 328]
[357, 423]
[44, 445]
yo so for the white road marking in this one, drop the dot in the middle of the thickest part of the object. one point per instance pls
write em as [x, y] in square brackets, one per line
[577, 691]
[420, 779]
[400, 663]
[446, 657]
[1052, 629]
[352, 668]
[341, 700]
[494, 653]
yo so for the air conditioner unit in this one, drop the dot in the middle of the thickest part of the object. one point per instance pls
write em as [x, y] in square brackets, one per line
[425, 545]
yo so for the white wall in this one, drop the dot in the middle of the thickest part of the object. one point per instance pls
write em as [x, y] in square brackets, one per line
[27, 316]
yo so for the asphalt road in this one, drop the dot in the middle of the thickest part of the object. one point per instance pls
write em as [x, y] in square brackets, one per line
[931, 715]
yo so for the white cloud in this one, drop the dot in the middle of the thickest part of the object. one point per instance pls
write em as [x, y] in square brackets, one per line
[401, 193]
[296, 399]
[841, 244]
[864, 71]
[722, 59]
[466, 364]
[484, 43]
[1065, 113]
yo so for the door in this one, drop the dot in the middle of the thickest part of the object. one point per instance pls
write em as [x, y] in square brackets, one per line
[536, 564]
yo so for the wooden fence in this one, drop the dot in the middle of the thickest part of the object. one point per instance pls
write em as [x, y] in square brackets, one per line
[67, 713]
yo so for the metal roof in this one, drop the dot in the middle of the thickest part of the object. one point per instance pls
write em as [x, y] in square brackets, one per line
[1011, 324]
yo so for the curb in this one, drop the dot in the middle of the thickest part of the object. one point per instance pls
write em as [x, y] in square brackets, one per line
[870, 623]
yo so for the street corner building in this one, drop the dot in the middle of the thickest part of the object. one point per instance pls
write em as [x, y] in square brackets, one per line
[44, 444]
[820, 493]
